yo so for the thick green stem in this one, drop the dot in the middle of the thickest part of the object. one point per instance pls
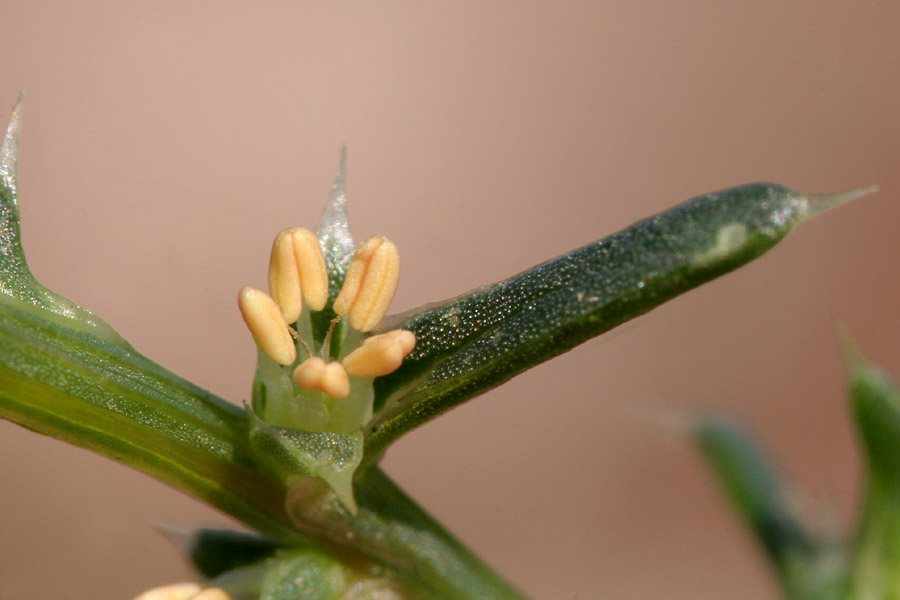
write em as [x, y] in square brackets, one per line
[107, 398]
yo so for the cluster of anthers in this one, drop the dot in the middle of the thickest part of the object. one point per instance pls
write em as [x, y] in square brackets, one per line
[298, 277]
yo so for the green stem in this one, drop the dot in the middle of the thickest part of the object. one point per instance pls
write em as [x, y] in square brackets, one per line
[108, 398]
[876, 568]
[391, 522]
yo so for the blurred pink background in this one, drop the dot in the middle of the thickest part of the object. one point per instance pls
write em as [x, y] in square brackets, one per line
[165, 143]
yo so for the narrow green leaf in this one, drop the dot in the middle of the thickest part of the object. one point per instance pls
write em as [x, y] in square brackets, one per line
[755, 487]
[473, 343]
[876, 408]
[807, 568]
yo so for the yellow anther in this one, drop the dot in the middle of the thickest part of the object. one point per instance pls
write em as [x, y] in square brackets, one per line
[266, 323]
[313, 272]
[284, 277]
[370, 283]
[178, 591]
[297, 272]
[315, 374]
[380, 354]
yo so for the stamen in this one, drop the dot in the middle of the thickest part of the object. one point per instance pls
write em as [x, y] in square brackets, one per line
[313, 272]
[284, 276]
[302, 342]
[326, 343]
[297, 272]
[380, 354]
[315, 374]
[370, 283]
[266, 322]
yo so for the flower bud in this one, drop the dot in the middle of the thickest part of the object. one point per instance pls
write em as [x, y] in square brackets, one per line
[315, 374]
[380, 354]
[297, 272]
[266, 322]
[370, 283]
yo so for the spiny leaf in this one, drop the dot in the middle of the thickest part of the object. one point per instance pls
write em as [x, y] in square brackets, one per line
[470, 344]
[18, 287]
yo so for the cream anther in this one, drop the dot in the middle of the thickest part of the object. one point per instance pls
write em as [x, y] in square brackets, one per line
[313, 272]
[380, 354]
[184, 591]
[370, 283]
[297, 272]
[266, 322]
[315, 374]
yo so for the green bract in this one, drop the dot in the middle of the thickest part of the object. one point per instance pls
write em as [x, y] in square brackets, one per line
[329, 515]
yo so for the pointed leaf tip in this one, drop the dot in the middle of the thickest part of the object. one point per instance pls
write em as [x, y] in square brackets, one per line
[333, 229]
[820, 203]
[9, 151]
[854, 359]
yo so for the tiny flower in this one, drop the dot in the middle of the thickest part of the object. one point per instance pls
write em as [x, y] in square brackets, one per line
[320, 361]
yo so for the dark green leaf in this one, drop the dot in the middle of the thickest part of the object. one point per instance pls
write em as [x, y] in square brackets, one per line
[808, 568]
[214, 551]
[473, 343]
[754, 486]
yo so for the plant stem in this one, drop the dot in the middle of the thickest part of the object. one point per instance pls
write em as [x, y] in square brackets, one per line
[84, 390]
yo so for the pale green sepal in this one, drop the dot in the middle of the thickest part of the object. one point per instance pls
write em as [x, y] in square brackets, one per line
[307, 574]
[297, 456]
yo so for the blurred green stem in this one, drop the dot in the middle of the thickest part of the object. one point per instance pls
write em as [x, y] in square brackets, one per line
[876, 571]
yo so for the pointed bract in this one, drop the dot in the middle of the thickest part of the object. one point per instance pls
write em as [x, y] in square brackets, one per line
[9, 151]
[333, 230]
